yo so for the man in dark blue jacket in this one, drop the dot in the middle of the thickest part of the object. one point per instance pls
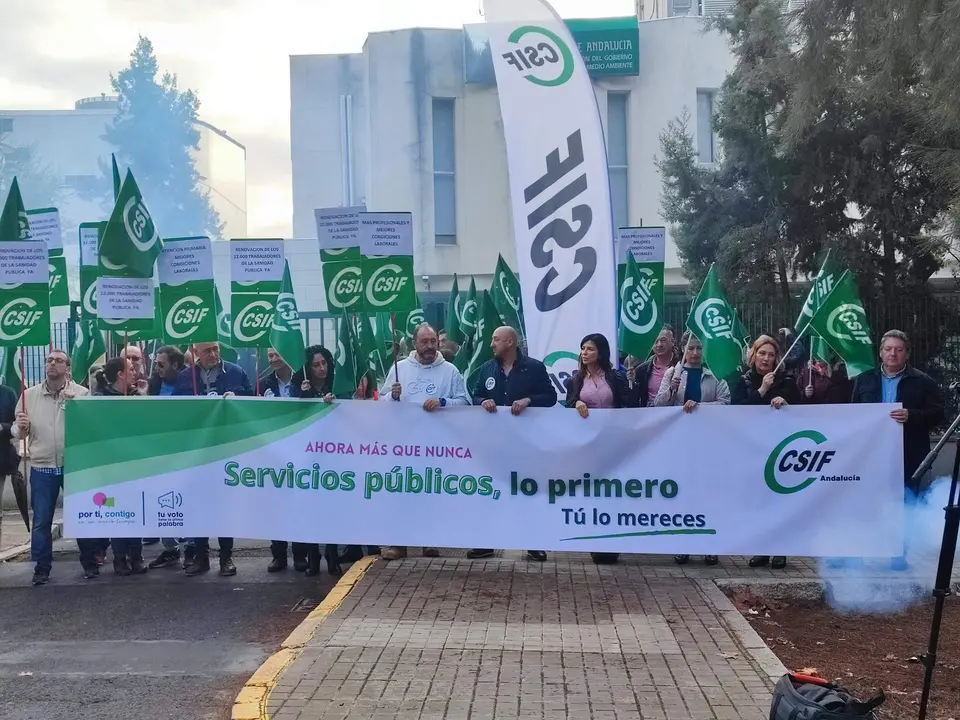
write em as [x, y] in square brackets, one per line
[516, 381]
[214, 377]
[922, 411]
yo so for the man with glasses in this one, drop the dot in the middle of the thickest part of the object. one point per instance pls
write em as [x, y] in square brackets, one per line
[39, 420]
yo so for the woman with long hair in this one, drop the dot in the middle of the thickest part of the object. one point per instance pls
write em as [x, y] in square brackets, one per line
[765, 383]
[689, 384]
[317, 382]
[597, 385]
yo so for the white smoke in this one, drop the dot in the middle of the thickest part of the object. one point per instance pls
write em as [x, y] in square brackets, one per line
[871, 585]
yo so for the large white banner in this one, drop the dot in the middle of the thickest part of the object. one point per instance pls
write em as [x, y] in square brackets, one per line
[559, 189]
[821, 480]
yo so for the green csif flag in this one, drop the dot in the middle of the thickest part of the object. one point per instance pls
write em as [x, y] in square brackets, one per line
[130, 243]
[468, 316]
[14, 224]
[488, 320]
[641, 297]
[347, 370]
[505, 295]
[370, 350]
[842, 322]
[286, 336]
[87, 349]
[830, 272]
[225, 337]
[714, 321]
[10, 370]
[454, 307]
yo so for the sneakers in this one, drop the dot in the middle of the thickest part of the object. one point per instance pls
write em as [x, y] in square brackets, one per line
[41, 577]
[431, 552]
[168, 558]
[91, 573]
[189, 553]
[227, 568]
[394, 553]
[537, 555]
[137, 567]
[479, 554]
[300, 564]
[276, 565]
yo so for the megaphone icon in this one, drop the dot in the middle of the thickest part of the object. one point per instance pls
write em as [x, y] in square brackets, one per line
[170, 499]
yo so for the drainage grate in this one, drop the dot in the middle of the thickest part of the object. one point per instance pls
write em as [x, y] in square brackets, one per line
[305, 604]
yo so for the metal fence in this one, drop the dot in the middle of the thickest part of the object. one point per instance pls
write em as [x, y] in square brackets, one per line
[932, 323]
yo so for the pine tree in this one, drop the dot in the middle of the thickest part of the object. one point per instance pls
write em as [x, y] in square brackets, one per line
[155, 134]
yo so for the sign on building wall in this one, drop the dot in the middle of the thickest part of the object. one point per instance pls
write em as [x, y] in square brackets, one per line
[609, 46]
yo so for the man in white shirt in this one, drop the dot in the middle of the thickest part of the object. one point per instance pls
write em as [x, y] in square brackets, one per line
[427, 379]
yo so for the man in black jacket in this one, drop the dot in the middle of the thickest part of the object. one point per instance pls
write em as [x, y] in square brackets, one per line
[516, 381]
[896, 381]
[647, 376]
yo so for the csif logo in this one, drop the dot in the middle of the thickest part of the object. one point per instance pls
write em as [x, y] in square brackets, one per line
[345, 287]
[253, 321]
[55, 276]
[17, 317]
[468, 316]
[558, 235]
[287, 311]
[788, 467]
[848, 323]
[185, 317]
[561, 365]
[385, 285]
[90, 300]
[541, 56]
[139, 225]
[505, 289]
[414, 320]
[714, 320]
[638, 309]
[23, 223]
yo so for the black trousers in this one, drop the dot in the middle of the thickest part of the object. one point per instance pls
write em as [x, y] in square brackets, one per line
[278, 548]
[203, 547]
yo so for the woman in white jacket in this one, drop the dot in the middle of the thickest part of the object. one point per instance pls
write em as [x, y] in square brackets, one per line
[689, 384]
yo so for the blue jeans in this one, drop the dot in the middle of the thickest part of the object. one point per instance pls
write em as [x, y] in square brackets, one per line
[45, 487]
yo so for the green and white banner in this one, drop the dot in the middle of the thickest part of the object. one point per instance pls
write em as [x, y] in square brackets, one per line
[130, 242]
[187, 301]
[256, 276]
[24, 294]
[343, 281]
[59, 290]
[640, 257]
[90, 234]
[338, 231]
[814, 481]
[386, 248]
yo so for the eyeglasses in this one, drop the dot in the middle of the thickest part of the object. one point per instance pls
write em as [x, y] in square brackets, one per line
[56, 361]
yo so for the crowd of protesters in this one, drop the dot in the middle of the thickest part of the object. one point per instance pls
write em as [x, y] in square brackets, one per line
[675, 375]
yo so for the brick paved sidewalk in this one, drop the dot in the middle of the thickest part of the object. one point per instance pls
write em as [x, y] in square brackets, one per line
[509, 638]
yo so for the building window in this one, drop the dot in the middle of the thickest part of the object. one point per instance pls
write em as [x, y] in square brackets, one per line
[6, 125]
[617, 156]
[444, 173]
[706, 141]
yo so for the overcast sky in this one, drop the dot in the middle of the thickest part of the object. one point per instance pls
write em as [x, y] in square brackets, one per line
[234, 53]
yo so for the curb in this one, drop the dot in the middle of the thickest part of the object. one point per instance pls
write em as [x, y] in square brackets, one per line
[751, 643]
[17, 550]
[251, 701]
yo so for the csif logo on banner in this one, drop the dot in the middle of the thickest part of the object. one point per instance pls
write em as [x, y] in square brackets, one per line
[797, 462]
[17, 317]
[139, 224]
[848, 323]
[346, 287]
[559, 234]
[542, 57]
[639, 309]
[185, 317]
[385, 284]
[253, 321]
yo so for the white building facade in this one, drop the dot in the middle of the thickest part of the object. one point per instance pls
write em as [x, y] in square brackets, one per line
[412, 124]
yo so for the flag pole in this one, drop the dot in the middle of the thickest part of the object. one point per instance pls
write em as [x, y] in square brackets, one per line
[126, 375]
[784, 358]
[193, 368]
[393, 341]
[256, 369]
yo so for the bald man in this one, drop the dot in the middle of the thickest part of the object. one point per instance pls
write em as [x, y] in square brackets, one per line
[516, 381]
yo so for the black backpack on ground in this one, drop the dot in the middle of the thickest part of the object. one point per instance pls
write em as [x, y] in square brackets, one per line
[802, 697]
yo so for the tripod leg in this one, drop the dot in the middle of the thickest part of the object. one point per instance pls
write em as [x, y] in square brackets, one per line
[948, 548]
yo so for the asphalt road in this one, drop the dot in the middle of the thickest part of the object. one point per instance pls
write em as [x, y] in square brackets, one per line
[151, 647]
